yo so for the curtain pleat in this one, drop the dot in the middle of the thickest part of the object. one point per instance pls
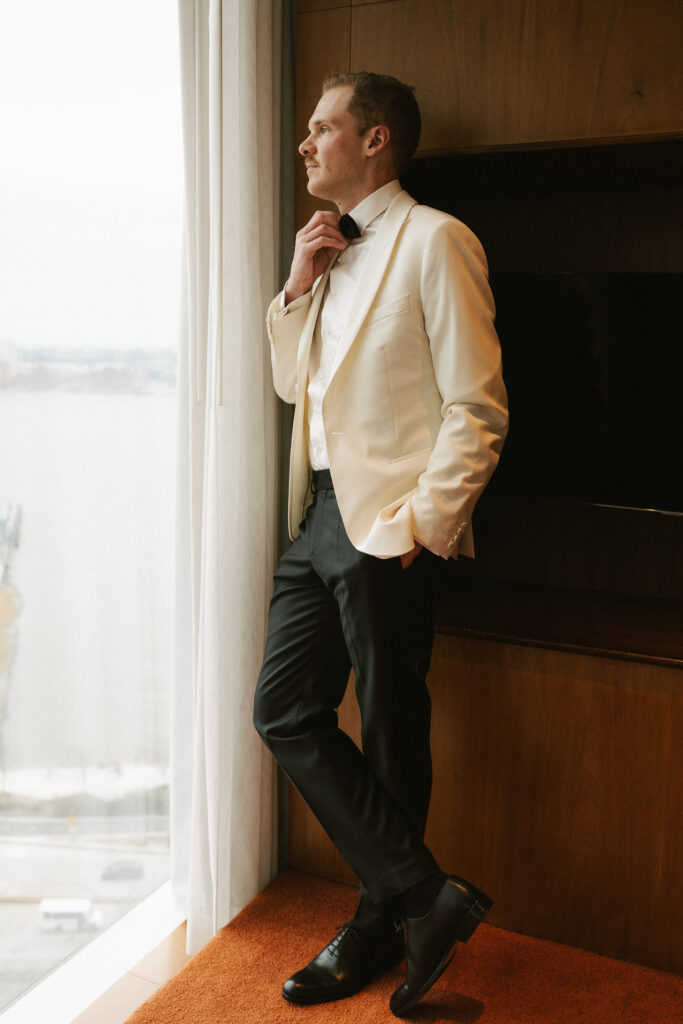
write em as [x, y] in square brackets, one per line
[223, 804]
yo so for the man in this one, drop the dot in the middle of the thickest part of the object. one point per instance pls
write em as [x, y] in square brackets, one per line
[383, 337]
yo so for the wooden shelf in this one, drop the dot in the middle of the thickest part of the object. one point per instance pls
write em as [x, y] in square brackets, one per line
[598, 624]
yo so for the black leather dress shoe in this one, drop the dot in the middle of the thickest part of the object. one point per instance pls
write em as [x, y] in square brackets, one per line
[430, 940]
[344, 967]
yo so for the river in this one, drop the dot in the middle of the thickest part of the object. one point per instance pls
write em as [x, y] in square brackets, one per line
[93, 475]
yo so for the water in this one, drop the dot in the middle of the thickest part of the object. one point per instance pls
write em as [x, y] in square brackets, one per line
[83, 740]
[93, 474]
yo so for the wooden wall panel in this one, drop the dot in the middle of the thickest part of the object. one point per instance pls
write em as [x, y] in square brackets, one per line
[305, 6]
[557, 775]
[515, 72]
[557, 788]
[507, 72]
[323, 46]
[553, 787]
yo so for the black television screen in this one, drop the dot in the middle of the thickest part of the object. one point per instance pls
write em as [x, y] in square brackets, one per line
[593, 364]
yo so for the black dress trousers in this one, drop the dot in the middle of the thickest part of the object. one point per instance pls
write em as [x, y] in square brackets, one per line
[334, 607]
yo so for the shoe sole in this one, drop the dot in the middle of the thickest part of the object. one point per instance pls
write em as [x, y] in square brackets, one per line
[468, 926]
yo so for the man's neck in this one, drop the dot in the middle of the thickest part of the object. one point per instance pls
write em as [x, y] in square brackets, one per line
[350, 201]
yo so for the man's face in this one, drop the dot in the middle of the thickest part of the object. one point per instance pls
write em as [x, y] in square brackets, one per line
[334, 151]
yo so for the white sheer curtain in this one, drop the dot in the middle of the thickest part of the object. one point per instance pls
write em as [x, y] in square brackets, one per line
[223, 827]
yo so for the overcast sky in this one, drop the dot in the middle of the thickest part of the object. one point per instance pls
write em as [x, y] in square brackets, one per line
[90, 173]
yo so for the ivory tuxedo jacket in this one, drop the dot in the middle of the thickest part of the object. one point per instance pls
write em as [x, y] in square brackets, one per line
[415, 413]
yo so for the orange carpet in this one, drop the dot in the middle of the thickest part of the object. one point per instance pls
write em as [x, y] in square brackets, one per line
[498, 977]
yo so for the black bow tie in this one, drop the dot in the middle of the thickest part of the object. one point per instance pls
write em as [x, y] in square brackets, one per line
[348, 227]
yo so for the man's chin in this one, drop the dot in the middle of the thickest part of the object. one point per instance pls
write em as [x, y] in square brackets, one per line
[315, 190]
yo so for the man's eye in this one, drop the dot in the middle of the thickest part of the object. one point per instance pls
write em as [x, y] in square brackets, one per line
[322, 129]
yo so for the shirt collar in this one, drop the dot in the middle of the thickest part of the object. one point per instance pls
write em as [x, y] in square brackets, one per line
[375, 204]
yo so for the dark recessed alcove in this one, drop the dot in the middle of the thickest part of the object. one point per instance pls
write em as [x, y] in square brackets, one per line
[579, 537]
[608, 208]
[441, 178]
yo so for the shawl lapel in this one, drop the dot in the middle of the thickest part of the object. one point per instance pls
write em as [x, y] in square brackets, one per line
[304, 351]
[374, 270]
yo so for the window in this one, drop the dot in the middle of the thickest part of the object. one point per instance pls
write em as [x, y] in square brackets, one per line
[90, 265]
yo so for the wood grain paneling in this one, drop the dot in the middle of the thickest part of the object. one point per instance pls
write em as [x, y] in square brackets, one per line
[501, 72]
[305, 6]
[557, 788]
[323, 46]
[553, 781]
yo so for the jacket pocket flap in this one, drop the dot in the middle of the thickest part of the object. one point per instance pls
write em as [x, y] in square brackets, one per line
[401, 304]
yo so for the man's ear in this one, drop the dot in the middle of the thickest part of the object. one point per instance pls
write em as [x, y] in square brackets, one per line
[378, 139]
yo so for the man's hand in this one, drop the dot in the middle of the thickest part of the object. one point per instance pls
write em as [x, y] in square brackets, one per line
[315, 246]
[409, 557]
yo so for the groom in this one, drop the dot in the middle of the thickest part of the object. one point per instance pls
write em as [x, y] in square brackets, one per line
[383, 338]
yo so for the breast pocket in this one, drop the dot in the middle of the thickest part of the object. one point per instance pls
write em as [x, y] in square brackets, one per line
[395, 307]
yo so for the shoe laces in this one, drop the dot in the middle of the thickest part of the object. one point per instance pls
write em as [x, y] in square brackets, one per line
[347, 930]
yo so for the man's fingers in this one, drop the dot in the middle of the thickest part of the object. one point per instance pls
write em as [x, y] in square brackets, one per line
[325, 236]
[320, 243]
[317, 234]
[322, 217]
[321, 221]
[316, 244]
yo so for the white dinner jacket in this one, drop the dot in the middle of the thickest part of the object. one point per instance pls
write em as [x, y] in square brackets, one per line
[415, 413]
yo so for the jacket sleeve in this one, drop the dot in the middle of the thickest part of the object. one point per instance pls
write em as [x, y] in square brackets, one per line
[284, 325]
[459, 312]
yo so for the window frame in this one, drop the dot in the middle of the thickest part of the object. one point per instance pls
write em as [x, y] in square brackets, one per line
[81, 979]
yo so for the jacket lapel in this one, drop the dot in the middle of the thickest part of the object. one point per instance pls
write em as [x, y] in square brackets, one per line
[373, 271]
[303, 353]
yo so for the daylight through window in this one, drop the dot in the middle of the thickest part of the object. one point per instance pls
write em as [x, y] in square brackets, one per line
[90, 260]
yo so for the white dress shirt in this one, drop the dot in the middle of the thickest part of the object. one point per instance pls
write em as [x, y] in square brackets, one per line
[336, 308]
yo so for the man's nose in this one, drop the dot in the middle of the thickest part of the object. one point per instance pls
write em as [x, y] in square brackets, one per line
[306, 146]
